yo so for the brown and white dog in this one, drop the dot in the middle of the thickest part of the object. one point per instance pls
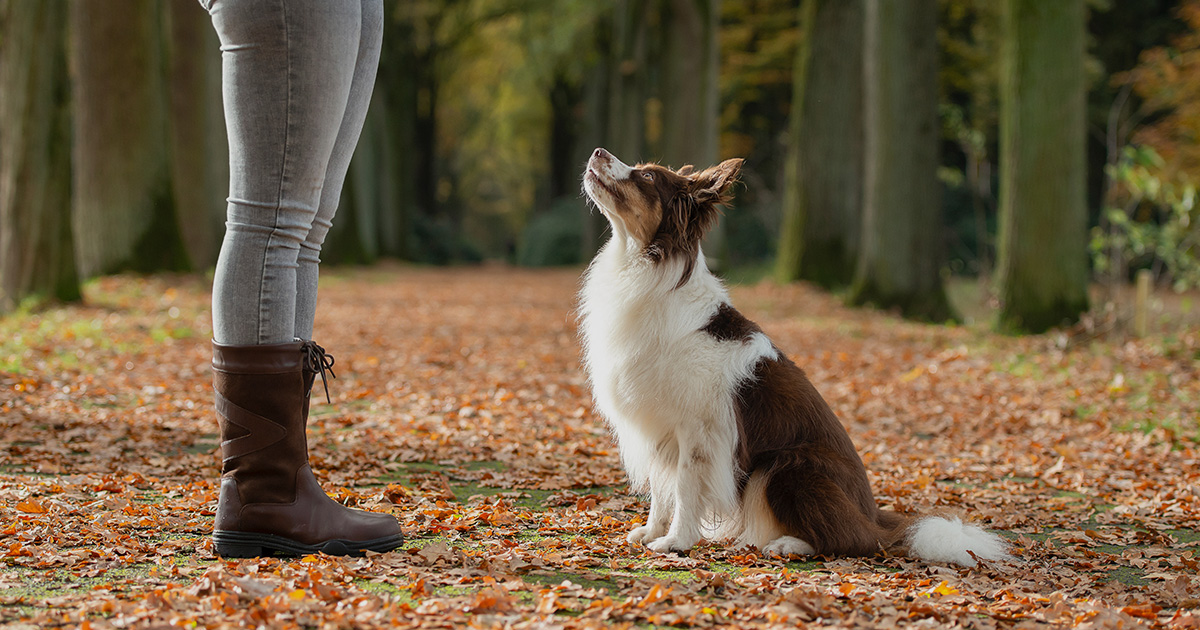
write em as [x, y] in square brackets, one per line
[726, 433]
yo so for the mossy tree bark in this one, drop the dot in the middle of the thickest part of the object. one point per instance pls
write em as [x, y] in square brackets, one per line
[1042, 269]
[36, 257]
[823, 187]
[690, 72]
[595, 120]
[199, 147]
[899, 264]
[628, 86]
[616, 90]
[123, 214]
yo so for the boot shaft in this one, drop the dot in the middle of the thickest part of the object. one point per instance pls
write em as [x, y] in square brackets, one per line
[259, 399]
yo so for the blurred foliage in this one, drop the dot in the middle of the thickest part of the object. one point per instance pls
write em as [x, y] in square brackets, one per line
[553, 238]
[758, 49]
[969, 38]
[491, 107]
[1168, 79]
[495, 63]
[1151, 222]
[503, 73]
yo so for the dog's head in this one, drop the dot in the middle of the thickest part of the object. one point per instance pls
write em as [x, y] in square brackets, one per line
[665, 212]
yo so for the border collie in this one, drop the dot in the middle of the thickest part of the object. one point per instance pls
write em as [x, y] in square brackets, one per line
[726, 433]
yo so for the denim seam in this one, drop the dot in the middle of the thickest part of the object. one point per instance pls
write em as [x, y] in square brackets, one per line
[287, 128]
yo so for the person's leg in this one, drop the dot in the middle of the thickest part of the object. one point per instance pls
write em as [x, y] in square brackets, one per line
[288, 66]
[286, 77]
[361, 87]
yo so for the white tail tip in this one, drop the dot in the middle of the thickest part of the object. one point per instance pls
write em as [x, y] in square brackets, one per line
[940, 539]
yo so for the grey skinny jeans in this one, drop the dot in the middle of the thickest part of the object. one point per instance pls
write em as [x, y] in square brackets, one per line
[297, 77]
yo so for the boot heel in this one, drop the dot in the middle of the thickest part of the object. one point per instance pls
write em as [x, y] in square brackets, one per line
[238, 550]
[226, 548]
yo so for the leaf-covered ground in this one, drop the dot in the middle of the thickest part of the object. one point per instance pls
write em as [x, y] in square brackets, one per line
[461, 408]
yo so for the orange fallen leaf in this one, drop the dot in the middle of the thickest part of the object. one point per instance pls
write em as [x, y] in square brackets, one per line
[944, 589]
[29, 506]
[1145, 611]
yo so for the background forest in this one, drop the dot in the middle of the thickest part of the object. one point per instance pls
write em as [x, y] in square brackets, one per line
[1036, 146]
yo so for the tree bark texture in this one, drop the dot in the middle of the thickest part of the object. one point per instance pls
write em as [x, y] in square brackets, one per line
[1042, 269]
[123, 216]
[627, 86]
[690, 71]
[899, 265]
[823, 188]
[198, 144]
[690, 76]
[595, 120]
[36, 257]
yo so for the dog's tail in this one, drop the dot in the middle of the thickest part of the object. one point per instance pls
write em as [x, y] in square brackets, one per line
[943, 539]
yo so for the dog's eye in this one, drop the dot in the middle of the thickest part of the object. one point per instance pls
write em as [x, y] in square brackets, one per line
[648, 176]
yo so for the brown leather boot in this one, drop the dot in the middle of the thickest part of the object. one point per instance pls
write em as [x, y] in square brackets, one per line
[270, 502]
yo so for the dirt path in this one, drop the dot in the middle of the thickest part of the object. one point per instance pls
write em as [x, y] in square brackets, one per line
[460, 407]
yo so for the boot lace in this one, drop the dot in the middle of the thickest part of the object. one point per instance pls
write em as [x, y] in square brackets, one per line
[318, 361]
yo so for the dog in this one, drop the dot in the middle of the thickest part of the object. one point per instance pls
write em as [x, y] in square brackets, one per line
[726, 434]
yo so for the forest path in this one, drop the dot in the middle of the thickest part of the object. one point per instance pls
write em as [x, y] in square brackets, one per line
[460, 406]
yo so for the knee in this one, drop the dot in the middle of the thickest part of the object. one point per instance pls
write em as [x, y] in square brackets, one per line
[314, 240]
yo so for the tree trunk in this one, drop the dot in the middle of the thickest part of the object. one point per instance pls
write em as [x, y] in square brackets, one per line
[823, 191]
[594, 123]
[368, 196]
[123, 215]
[899, 262]
[690, 73]
[198, 143]
[627, 88]
[36, 257]
[1042, 267]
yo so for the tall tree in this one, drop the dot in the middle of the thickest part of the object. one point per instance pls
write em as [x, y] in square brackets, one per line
[689, 91]
[1042, 263]
[199, 147]
[899, 264]
[823, 189]
[628, 86]
[689, 87]
[35, 162]
[123, 215]
[615, 90]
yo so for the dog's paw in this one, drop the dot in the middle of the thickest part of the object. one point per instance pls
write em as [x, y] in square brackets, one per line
[785, 546]
[643, 534]
[669, 543]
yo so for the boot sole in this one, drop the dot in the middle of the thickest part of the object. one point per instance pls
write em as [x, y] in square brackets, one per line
[229, 544]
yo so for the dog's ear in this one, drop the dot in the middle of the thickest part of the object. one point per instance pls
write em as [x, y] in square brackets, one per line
[711, 184]
[686, 170]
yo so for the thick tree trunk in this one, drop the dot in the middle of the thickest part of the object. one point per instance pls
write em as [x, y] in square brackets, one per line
[400, 153]
[36, 256]
[1043, 208]
[198, 143]
[615, 92]
[823, 191]
[368, 196]
[594, 124]
[123, 215]
[899, 264]
[627, 88]
[690, 73]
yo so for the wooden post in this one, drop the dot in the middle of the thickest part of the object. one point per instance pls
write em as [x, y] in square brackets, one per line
[1141, 305]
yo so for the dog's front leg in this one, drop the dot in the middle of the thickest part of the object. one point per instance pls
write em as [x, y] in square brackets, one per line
[662, 506]
[694, 478]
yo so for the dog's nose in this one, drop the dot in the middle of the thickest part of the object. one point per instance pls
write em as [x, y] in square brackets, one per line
[600, 154]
